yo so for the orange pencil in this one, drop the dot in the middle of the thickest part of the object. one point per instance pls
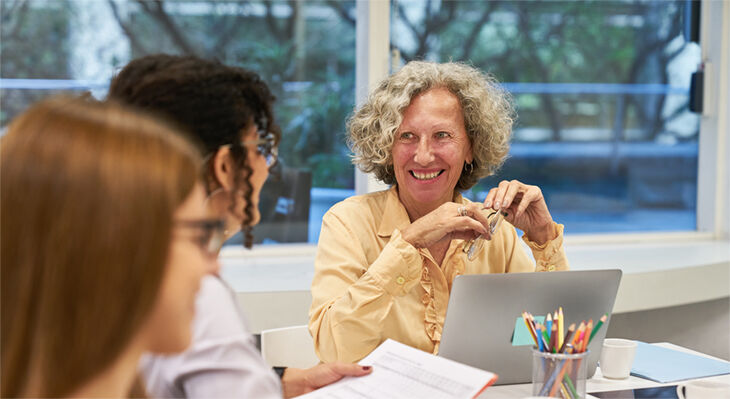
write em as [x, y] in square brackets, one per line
[589, 328]
[579, 342]
[576, 336]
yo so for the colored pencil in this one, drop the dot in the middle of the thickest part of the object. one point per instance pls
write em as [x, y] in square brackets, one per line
[553, 370]
[577, 334]
[568, 336]
[554, 338]
[570, 385]
[545, 338]
[549, 323]
[531, 318]
[564, 391]
[534, 323]
[598, 326]
[589, 328]
[558, 381]
[579, 342]
[526, 319]
[560, 327]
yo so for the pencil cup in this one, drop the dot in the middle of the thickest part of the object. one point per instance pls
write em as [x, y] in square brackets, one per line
[559, 375]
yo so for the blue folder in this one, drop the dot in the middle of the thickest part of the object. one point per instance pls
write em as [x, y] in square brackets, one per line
[668, 365]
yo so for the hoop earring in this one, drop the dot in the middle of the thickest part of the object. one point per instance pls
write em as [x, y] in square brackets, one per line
[468, 168]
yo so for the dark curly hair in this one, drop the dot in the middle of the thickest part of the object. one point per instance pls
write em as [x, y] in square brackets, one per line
[213, 102]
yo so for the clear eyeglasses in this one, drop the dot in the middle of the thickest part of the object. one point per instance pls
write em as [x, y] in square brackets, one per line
[210, 234]
[472, 248]
[266, 146]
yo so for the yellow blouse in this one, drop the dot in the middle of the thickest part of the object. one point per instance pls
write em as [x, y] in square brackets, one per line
[369, 284]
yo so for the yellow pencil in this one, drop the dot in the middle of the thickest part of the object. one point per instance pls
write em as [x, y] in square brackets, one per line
[563, 391]
[560, 327]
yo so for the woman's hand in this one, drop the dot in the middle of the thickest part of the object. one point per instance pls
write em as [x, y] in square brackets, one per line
[447, 222]
[526, 209]
[297, 382]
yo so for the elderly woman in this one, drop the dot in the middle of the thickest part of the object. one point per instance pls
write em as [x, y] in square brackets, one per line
[386, 260]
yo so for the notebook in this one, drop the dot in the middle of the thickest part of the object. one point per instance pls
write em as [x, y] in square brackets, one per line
[668, 365]
[483, 308]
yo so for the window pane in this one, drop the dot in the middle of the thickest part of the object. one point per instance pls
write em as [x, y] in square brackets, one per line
[305, 51]
[601, 91]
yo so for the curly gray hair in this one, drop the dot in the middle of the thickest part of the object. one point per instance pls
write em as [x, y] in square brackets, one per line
[487, 108]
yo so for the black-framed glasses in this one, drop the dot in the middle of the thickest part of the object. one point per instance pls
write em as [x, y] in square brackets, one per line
[211, 233]
[472, 248]
[266, 146]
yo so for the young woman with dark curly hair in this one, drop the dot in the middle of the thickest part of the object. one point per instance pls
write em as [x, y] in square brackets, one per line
[228, 110]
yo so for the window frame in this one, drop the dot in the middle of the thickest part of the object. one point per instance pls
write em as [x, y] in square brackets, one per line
[713, 205]
[712, 200]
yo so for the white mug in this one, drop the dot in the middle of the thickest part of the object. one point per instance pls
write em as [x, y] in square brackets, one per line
[703, 390]
[617, 356]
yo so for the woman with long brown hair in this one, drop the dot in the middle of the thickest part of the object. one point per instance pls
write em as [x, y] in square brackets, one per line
[105, 238]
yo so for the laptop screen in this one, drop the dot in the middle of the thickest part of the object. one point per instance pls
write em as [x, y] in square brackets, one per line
[480, 319]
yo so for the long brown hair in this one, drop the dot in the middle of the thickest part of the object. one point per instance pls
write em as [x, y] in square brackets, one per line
[88, 191]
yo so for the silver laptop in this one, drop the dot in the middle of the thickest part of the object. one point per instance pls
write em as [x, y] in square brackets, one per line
[483, 310]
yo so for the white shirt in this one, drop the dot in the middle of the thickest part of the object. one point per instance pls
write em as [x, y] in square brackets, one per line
[221, 362]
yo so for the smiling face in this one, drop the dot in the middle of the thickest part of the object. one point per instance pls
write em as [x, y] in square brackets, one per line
[429, 151]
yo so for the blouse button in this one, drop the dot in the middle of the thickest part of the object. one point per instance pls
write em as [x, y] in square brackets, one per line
[425, 299]
[551, 268]
[400, 280]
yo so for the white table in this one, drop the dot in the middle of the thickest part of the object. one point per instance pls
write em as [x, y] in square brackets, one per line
[598, 383]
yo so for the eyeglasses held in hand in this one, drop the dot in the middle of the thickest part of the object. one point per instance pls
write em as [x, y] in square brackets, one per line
[211, 233]
[473, 247]
[266, 146]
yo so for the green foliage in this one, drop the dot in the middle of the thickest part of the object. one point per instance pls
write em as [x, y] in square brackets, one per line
[306, 52]
[556, 42]
[31, 50]
[311, 70]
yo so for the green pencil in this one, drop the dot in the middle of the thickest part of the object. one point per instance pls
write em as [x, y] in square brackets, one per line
[598, 327]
